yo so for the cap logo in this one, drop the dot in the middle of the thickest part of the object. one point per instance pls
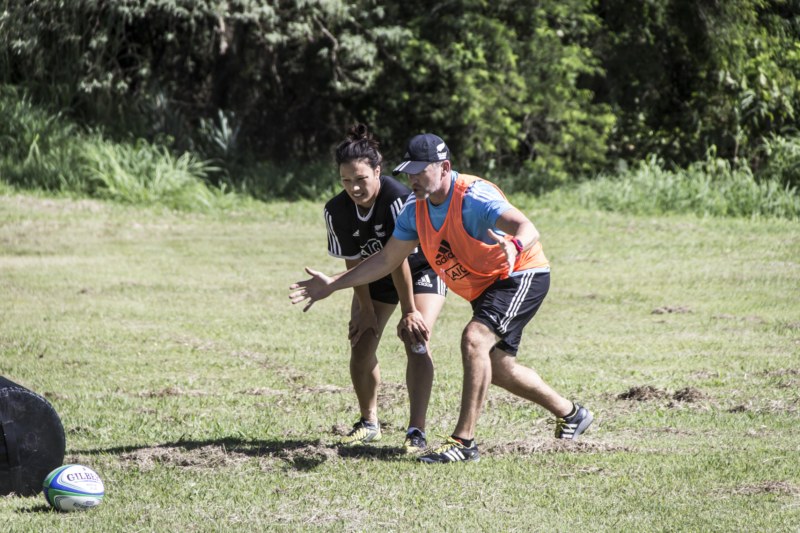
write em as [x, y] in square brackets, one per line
[422, 149]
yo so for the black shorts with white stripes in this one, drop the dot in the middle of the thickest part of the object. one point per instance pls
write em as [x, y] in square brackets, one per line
[424, 280]
[509, 304]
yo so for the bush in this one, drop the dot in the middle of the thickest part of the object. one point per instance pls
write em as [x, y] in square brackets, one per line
[143, 173]
[500, 81]
[709, 187]
[45, 151]
[782, 160]
[37, 149]
[291, 180]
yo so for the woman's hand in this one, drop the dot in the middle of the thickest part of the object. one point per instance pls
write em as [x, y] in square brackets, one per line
[412, 328]
[361, 324]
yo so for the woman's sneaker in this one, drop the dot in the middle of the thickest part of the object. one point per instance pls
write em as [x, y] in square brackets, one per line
[570, 427]
[452, 451]
[363, 432]
[415, 442]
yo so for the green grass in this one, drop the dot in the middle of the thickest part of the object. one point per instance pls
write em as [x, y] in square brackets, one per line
[182, 374]
[712, 187]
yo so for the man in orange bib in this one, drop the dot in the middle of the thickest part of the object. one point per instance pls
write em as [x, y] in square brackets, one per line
[489, 253]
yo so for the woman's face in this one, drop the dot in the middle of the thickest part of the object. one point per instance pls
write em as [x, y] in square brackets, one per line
[361, 181]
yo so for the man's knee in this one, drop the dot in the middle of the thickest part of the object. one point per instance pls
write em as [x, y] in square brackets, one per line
[476, 340]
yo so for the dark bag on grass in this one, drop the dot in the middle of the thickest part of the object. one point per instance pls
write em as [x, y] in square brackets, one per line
[32, 440]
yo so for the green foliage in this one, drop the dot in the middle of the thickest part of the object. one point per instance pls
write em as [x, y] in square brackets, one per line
[145, 174]
[48, 152]
[45, 151]
[37, 148]
[551, 92]
[500, 84]
[685, 77]
[164, 67]
[710, 187]
[292, 180]
[499, 81]
[780, 160]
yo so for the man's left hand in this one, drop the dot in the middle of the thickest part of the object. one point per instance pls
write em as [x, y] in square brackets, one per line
[508, 248]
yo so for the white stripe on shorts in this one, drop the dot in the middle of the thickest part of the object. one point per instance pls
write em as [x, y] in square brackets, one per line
[516, 301]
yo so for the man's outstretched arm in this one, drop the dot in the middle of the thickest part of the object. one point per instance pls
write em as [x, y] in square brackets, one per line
[376, 266]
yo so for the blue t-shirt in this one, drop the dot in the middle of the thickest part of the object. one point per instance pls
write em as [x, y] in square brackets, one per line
[482, 206]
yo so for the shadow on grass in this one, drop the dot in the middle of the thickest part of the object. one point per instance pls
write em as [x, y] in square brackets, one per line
[253, 448]
[36, 509]
[297, 454]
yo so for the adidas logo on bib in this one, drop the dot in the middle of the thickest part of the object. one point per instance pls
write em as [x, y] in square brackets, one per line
[444, 253]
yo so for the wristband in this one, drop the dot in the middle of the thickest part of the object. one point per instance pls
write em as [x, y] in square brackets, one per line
[518, 245]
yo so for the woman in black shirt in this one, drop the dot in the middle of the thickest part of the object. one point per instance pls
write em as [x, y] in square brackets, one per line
[360, 220]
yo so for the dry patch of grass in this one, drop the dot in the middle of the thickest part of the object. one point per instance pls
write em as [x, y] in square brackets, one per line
[768, 407]
[172, 391]
[205, 457]
[643, 393]
[767, 487]
[262, 391]
[550, 445]
[299, 455]
[648, 393]
[671, 309]
[689, 395]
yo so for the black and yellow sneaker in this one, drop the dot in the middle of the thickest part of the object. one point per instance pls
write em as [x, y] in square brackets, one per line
[415, 442]
[452, 451]
[571, 426]
[363, 432]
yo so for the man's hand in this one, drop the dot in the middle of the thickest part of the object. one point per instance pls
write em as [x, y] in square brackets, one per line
[508, 248]
[313, 289]
[413, 329]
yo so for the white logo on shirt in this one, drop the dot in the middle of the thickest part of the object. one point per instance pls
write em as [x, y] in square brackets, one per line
[424, 281]
[373, 246]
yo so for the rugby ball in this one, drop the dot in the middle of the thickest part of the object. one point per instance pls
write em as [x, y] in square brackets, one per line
[73, 488]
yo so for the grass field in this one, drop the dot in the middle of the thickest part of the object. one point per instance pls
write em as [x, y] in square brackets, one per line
[207, 402]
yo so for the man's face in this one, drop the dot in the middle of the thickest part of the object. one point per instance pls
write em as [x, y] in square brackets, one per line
[429, 181]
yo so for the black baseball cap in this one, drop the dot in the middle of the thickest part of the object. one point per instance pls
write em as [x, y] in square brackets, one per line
[422, 150]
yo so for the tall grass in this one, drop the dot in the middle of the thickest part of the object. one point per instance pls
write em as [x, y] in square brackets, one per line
[142, 173]
[45, 151]
[711, 187]
[37, 149]
[291, 180]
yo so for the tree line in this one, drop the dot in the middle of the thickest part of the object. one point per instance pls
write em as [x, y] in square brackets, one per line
[551, 90]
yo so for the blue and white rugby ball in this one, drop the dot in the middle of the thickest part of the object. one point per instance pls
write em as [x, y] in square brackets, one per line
[73, 488]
